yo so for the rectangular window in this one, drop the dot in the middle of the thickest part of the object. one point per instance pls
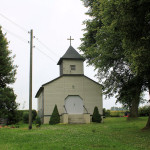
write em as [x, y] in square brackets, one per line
[73, 67]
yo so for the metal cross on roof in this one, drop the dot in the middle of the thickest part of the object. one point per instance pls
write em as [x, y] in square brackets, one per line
[70, 40]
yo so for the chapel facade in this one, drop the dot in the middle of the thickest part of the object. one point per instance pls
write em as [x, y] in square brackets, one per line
[75, 94]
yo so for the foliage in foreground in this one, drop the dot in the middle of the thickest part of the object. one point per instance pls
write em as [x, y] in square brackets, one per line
[55, 118]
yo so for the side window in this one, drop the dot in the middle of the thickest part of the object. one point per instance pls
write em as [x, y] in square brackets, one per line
[73, 67]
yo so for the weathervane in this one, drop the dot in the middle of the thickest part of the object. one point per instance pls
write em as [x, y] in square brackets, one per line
[70, 40]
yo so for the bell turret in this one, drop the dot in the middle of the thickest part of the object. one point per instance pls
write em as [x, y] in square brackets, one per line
[71, 62]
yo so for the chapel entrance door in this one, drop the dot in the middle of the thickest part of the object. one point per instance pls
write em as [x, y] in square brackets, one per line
[74, 105]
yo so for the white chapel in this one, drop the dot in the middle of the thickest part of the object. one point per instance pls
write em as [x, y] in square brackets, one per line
[75, 94]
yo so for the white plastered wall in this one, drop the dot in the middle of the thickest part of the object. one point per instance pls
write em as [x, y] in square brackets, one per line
[66, 66]
[40, 105]
[56, 92]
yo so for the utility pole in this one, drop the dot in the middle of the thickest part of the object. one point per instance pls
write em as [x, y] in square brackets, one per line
[30, 81]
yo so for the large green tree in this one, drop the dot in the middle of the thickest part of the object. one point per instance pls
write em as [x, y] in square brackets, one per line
[8, 105]
[116, 41]
[102, 47]
[135, 28]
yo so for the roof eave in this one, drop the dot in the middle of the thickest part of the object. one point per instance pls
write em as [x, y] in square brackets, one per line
[93, 81]
[60, 60]
[39, 92]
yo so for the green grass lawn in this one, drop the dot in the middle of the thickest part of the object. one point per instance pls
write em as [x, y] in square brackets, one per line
[113, 134]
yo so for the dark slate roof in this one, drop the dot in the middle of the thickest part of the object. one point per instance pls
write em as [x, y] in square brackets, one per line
[71, 53]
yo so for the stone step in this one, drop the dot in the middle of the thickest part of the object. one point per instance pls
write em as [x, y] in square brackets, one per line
[75, 115]
[78, 118]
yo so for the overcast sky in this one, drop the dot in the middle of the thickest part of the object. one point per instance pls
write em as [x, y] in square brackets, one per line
[52, 21]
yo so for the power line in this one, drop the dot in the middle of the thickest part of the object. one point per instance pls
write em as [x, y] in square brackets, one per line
[17, 36]
[23, 40]
[22, 28]
[20, 38]
[46, 47]
[45, 54]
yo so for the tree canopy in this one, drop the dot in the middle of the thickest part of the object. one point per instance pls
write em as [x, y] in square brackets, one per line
[8, 105]
[116, 41]
[7, 69]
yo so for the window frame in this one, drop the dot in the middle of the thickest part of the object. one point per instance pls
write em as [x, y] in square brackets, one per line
[73, 67]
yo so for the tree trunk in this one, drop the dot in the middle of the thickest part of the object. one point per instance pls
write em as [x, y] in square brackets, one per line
[134, 109]
[135, 104]
[148, 122]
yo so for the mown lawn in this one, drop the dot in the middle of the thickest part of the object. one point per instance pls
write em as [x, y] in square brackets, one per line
[113, 134]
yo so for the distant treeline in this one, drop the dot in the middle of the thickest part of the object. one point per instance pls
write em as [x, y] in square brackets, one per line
[142, 111]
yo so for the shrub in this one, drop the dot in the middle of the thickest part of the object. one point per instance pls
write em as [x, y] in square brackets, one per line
[13, 118]
[34, 114]
[26, 117]
[106, 113]
[96, 116]
[38, 121]
[144, 111]
[55, 118]
[37, 125]
[20, 115]
[16, 126]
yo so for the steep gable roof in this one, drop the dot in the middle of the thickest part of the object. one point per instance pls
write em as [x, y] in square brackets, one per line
[71, 53]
